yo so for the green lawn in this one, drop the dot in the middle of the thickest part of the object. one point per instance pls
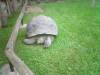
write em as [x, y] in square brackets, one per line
[75, 51]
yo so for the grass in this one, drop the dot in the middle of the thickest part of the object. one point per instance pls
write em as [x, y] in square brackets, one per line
[75, 51]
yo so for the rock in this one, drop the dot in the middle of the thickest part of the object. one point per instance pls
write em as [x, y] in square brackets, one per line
[6, 70]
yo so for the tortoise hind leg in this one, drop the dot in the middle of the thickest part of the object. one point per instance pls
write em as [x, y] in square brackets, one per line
[29, 41]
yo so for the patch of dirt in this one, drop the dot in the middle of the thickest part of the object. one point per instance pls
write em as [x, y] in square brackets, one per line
[33, 9]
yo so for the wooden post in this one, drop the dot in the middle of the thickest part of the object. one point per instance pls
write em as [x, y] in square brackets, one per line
[0, 20]
[22, 22]
[11, 67]
[19, 65]
[0, 23]
[8, 7]
[93, 3]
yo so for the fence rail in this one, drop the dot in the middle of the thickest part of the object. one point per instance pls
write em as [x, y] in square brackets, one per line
[18, 64]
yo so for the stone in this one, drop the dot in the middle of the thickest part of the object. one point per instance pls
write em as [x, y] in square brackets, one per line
[6, 70]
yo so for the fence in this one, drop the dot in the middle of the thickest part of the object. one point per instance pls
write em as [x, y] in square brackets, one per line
[14, 60]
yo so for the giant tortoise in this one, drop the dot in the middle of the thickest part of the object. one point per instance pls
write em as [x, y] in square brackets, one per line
[41, 30]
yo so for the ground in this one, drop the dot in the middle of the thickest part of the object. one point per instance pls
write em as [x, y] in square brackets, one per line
[75, 51]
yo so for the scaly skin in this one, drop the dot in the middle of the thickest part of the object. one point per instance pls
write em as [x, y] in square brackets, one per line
[46, 40]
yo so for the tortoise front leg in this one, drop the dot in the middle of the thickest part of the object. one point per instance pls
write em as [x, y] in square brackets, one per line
[48, 41]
